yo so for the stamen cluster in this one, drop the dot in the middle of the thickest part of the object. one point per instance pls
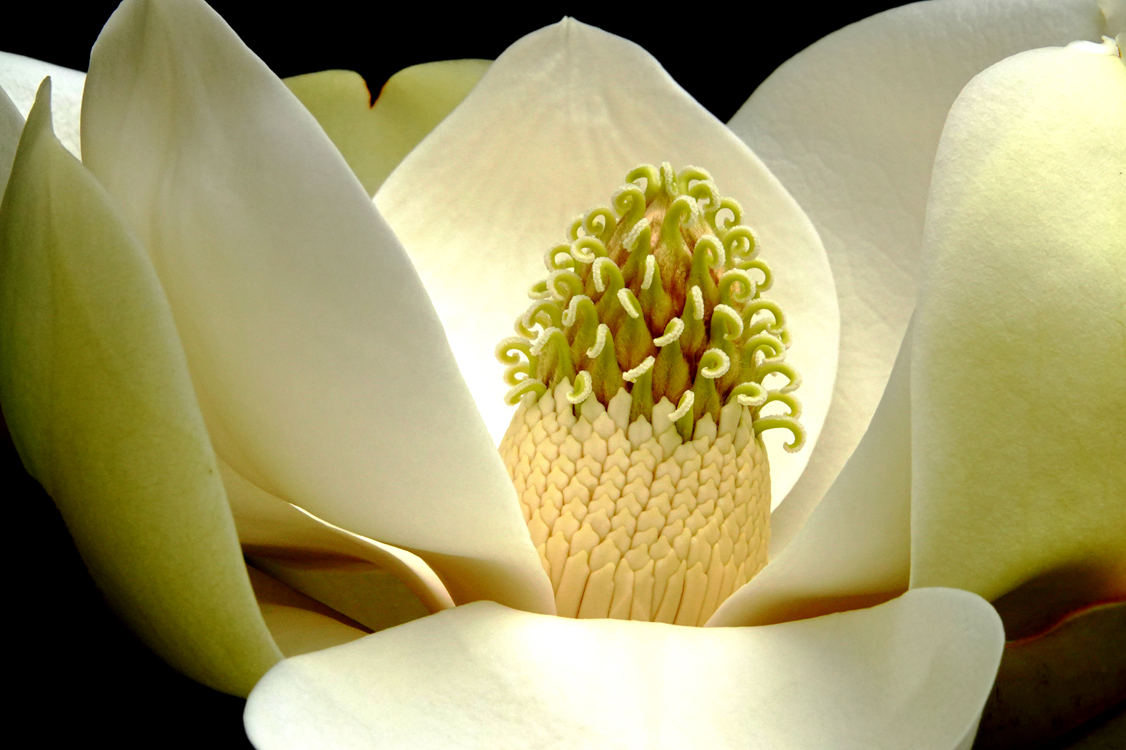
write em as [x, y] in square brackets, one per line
[659, 295]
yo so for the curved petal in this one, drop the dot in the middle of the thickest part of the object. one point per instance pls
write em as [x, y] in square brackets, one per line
[374, 137]
[914, 672]
[1018, 405]
[20, 77]
[551, 131]
[321, 368]
[850, 127]
[269, 526]
[855, 549]
[98, 399]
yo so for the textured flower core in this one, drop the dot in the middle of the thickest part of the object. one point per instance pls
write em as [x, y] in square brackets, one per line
[641, 371]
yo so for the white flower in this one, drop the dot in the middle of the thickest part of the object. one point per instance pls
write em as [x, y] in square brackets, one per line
[319, 373]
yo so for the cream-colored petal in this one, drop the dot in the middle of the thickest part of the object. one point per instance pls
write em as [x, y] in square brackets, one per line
[20, 77]
[269, 526]
[373, 137]
[855, 549]
[912, 673]
[322, 371]
[551, 131]
[1018, 397]
[299, 624]
[850, 127]
[99, 403]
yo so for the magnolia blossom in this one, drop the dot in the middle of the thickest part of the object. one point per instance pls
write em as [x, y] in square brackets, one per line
[207, 313]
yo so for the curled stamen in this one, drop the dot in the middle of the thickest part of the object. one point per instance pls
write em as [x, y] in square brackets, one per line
[731, 319]
[710, 244]
[587, 249]
[651, 176]
[630, 304]
[787, 423]
[564, 284]
[582, 390]
[506, 350]
[641, 369]
[512, 398]
[629, 202]
[576, 226]
[517, 374]
[600, 342]
[539, 290]
[572, 310]
[690, 175]
[760, 265]
[790, 400]
[697, 302]
[741, 244]
[600, 223]
[737, 287]
[603, 267]
[714, 363]
[781, 368]
[559, 258]
[672, 332]
[763, 305]
[718, 216]
[685, 405]
[765, 345]
[749, 394]
[544, 313]
[650, 269]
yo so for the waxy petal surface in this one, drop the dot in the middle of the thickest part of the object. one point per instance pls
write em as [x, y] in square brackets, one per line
[912, 673]
[551, 132]
[1018, 405]
[850, 127]
[373, 137]
[100, 405]
[321, 368]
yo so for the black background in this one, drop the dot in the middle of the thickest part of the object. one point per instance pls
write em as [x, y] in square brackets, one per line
[79, 674]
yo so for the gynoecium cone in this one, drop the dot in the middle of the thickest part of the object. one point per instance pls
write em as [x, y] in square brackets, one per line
[640, 372]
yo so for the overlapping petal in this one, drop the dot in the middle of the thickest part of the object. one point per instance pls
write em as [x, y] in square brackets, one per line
[1019, 410]
[850, 126]
[122, 449]
[910, 673]
[320, 367]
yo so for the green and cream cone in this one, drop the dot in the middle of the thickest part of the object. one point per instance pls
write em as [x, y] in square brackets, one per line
[635, 449]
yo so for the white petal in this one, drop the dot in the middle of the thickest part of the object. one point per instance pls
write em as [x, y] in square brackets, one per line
[550, 132]
[20, 76]
[321, 368]
[914, 673]
[1018, 397]
[850, 127]
[855, 549]
[99, 402]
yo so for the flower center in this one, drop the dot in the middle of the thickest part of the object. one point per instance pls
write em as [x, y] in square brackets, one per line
[641, 372]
